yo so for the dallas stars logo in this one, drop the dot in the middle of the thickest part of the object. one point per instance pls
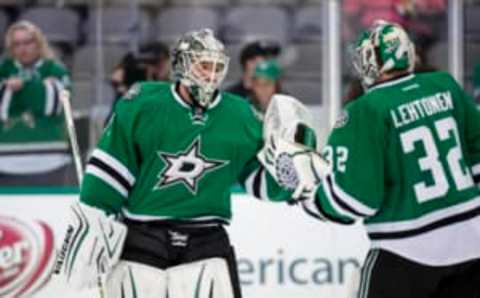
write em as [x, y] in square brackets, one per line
[186, 167]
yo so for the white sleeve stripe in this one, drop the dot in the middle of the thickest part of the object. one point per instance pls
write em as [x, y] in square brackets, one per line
[476, 169]
[263, 187]
[311, 209]
[105, 177]
[57, 83]
[335, 206]
[49, 93]
[249, 183]
[114, 164]
[260, 193]
[6, 99]
[350, 201]
[59, 86]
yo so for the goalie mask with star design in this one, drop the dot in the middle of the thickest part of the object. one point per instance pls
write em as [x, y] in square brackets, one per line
[383, 48]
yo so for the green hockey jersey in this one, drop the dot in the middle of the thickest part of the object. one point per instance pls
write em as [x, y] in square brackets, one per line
[159, 159]
[405, 158]
[31, 125]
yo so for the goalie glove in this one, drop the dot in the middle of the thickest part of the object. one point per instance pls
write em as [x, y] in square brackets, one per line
[288, 118]
[290, 141]
[92, 246]
[295, 167]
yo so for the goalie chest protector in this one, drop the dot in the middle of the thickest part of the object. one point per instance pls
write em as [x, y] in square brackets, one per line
[182, 162]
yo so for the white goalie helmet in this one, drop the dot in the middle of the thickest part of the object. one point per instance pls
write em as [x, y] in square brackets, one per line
[382, 48]
[200, 63]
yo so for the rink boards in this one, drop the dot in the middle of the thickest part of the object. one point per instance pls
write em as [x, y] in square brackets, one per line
[281, 251]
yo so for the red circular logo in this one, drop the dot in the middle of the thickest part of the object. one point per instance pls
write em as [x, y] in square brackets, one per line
[26, 256]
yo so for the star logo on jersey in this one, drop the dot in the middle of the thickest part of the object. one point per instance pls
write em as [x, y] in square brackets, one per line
[187, 167]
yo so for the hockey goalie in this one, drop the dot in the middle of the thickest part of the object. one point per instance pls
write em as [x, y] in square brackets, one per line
[156, 193]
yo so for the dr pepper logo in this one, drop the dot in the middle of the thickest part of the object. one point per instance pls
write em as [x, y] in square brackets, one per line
[26, 256]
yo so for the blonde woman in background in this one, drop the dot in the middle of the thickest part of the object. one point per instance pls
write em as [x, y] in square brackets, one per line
[33, 146]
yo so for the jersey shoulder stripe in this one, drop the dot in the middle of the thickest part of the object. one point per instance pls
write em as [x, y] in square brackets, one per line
[349, 202]
[107, 178]
[255, 184]
[109, 169]
[333, 201]
[115, 164]
[341, 203]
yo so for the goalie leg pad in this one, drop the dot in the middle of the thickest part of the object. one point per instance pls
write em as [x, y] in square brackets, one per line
[131, 280]
[91, 247]
[209, 278]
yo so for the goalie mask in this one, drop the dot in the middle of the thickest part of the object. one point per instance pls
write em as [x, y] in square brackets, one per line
[200, 63]
[382, 48]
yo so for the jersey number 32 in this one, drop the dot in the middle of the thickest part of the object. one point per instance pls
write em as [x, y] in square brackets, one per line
[445, 129]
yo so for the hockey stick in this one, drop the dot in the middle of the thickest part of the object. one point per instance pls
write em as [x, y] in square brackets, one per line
[72, 135]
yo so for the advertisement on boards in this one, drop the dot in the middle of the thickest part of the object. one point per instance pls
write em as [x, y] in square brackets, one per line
[281, 251]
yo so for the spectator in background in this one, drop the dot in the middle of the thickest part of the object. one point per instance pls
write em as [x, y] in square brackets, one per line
[360, 14]
[33, 144]
[265, 83]
[152, 63]
[251, 54]
[423, 19]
